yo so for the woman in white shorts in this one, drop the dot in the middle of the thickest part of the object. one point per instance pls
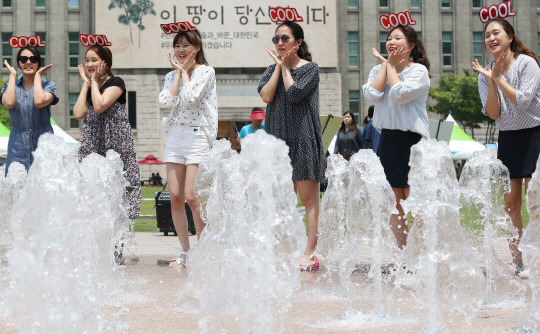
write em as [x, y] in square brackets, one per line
[190, 93]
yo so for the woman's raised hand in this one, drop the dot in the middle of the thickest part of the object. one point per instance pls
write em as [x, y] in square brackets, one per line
[478, 68]
[174, 64]
[398, 56]
[377, 55]
[496, 72]
[274, 56]
[288, 59]
[84, 77]
[189, 64]
[11, 70]
[44, 69]
[100, 71]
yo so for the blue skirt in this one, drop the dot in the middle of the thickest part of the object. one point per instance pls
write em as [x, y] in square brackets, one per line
[519, 151]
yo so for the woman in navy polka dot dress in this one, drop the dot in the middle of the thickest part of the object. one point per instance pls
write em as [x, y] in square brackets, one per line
[291, 89]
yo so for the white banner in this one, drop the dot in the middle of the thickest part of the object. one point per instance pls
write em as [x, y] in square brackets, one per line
[235, 33]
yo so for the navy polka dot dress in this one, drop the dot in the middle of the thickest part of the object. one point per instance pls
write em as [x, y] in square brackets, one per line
[293, 116]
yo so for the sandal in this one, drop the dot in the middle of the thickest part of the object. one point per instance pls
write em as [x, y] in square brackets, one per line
[313, 267]
[180, 261]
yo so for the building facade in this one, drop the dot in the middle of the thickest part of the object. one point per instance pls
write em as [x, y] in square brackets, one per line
[340, 34]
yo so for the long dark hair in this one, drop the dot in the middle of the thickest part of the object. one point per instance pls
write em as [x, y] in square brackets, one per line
[516, 46]
[34, 51]
[353, 123]
[105, 54]
[193, 38]
[418, 53]
[298, 33]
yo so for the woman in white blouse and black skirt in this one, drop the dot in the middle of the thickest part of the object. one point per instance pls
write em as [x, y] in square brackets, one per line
[399, 88]
[510, 92]
[190, 93]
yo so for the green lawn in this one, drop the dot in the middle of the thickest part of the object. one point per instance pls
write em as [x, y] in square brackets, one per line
[150, 225]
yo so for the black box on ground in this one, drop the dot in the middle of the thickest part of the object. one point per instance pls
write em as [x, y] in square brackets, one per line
[164, 214]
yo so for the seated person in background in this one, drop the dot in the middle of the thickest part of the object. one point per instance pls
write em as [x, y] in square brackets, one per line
[151, 179]
[158, 180]
[257, 115]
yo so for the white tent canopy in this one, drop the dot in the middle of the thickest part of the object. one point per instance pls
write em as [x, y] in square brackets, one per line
[461, 144]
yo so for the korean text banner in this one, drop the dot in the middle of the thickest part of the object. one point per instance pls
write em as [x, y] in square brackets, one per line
[235, 33]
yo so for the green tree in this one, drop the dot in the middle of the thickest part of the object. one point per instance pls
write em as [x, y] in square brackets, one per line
[459, 93]
[140, 9]
[4, 112]
[126, 18]
[133, 13]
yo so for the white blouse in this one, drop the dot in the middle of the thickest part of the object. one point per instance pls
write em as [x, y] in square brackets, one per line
[402, 107]
[196, 103]
[524, 76]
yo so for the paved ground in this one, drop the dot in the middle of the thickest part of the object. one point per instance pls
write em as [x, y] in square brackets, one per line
[152, 302]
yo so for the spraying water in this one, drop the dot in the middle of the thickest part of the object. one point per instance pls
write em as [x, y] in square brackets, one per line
[483, 182]
[47, 246]
[530, 242]
[332, 213]
[208, 170]
[245, 268]
[371, 203]
[440, 264]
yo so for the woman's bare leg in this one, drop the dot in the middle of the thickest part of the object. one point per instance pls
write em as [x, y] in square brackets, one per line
[309, 195]
[192, 200]
[398, 224]
[176, 180]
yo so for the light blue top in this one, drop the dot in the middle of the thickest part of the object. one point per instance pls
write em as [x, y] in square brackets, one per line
[404, 106]
[29, 122]
[247, 129]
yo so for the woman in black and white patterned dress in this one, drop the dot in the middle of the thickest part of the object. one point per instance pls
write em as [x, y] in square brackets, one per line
[190, 93]
[291, 89]
[510, 91]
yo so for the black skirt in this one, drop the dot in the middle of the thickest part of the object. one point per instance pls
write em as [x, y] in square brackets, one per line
[395, 151]
[519, 151]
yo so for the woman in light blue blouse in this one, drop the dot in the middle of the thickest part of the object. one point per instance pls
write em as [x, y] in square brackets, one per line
[29, 101]
[399, 88]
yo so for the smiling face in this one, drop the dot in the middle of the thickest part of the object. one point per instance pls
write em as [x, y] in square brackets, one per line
[281, 47]
[183, 48]
[397, 39]
[91, 62]
[28, 68]
[496, 39]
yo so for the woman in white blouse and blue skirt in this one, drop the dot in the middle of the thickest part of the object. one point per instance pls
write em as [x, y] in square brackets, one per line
[510, 92]
[399, 88]
[190, 93]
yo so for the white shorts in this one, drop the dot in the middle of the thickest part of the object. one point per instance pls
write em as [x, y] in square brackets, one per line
[186, 144]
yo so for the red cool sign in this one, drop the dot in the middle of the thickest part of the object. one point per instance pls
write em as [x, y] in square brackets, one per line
[280, 15]
[90, 40]
[501, 10]
[173, 28]
[393, 20]
[22, 41]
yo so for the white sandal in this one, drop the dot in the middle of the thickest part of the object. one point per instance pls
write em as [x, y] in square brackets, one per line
[180, 261]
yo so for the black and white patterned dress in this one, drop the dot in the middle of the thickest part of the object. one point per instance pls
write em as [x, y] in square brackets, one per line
[293, 116]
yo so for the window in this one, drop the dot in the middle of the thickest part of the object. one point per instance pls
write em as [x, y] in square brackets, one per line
[353, 48]
[478, 45]
[354, 102]
[384, 3]
[447, 49]
[354, 3]
[40, 3]
[538, 54]
[7, 51]
[73, 122]
[477, 3]
[419, 33]
[42, 50]
[6, 3]
[383, 35]
[538, 4]
[446, 3]
[132, 109]
[73, 3]
[415, 3]
[73, 41]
